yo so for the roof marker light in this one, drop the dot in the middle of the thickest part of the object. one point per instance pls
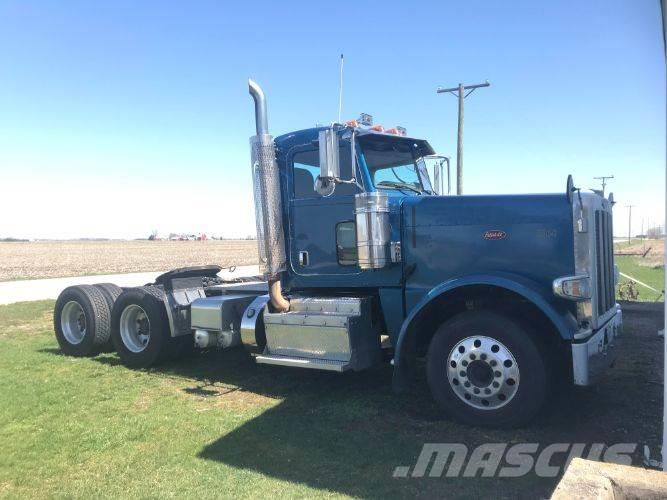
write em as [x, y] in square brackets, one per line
[377, 128]
[402, 131]
[365, 119]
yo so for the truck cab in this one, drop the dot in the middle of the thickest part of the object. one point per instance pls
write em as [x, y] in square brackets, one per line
[365, 260]
[500, 295]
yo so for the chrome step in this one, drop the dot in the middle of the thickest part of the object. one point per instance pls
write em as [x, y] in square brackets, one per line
[299, 362]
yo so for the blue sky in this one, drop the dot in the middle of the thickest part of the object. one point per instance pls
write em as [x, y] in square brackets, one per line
[121, 117]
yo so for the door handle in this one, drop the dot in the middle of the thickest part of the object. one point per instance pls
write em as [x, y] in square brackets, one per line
[303, 258]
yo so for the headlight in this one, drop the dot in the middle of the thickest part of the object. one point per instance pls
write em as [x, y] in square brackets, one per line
[573, 287]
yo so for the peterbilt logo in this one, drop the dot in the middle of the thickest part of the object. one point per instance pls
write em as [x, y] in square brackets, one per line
[495, 234]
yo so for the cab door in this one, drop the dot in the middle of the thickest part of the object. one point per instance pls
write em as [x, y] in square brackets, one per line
[322, 234]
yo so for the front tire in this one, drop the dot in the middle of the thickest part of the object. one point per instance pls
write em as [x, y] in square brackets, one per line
[486, 369]
[140, 328]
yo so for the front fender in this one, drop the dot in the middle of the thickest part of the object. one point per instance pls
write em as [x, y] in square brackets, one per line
[562, 320]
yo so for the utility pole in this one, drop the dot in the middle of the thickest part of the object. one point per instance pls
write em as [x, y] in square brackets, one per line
[663, 6]
[461, 93]
[629, 207]
[603, 178]
[643, 236]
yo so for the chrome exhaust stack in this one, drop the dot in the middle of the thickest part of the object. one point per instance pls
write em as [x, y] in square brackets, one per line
[268, 206]
[261, 121]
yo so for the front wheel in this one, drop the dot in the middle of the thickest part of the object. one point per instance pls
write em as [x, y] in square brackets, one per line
[486, 369]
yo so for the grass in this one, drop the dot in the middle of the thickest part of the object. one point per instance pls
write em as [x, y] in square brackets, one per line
[214, 426]
[621, 244]
[217, 425]
[648, 270]
[654, 277]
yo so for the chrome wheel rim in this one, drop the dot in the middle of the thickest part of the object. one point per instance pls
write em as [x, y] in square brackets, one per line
[135, 328]
[73, 322]
[483, 372]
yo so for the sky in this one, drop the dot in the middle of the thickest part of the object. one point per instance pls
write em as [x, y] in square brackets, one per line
[121, 117]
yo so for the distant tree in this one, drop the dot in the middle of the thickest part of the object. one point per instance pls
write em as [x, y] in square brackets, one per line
[655, 232]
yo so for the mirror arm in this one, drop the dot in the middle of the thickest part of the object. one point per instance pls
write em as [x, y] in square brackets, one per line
[353, 180]
[354, 162]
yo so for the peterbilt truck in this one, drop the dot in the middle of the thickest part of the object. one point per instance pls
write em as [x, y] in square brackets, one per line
[499, 299]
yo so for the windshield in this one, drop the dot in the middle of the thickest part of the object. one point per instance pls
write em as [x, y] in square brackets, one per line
[392, 165]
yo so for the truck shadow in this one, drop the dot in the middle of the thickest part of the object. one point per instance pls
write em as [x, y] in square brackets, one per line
[342, 433]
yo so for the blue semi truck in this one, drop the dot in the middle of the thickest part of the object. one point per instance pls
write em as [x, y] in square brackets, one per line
[498, 298]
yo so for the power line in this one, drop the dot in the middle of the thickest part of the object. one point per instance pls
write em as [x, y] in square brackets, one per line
[461, 93]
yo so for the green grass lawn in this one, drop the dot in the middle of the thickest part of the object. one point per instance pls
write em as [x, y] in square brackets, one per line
[217, 425]
[654, 277]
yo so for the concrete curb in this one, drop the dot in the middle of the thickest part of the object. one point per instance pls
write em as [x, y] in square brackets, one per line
[586, 479]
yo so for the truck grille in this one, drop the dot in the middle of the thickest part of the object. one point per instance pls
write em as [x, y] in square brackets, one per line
[604, 255]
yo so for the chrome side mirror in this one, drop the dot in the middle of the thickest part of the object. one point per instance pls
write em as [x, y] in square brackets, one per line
[329, 154]
[437, 172]
[439, 163]
[330, 174]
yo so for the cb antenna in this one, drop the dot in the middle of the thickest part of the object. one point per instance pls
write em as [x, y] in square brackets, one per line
[340, 90]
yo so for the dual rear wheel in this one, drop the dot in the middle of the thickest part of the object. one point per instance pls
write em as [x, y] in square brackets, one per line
[90, 319]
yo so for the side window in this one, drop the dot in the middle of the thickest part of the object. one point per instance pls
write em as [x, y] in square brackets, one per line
[345, 172]
[346, 243]
[306, 170]
[307, 167]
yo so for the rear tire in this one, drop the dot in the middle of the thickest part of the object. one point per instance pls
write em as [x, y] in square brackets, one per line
[81, 320]
[111, 292]
[140, 327]
[486, 369]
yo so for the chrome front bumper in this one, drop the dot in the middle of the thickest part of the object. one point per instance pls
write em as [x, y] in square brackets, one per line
[593, 355]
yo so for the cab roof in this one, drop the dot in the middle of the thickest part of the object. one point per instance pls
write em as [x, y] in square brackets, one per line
[378, 139]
